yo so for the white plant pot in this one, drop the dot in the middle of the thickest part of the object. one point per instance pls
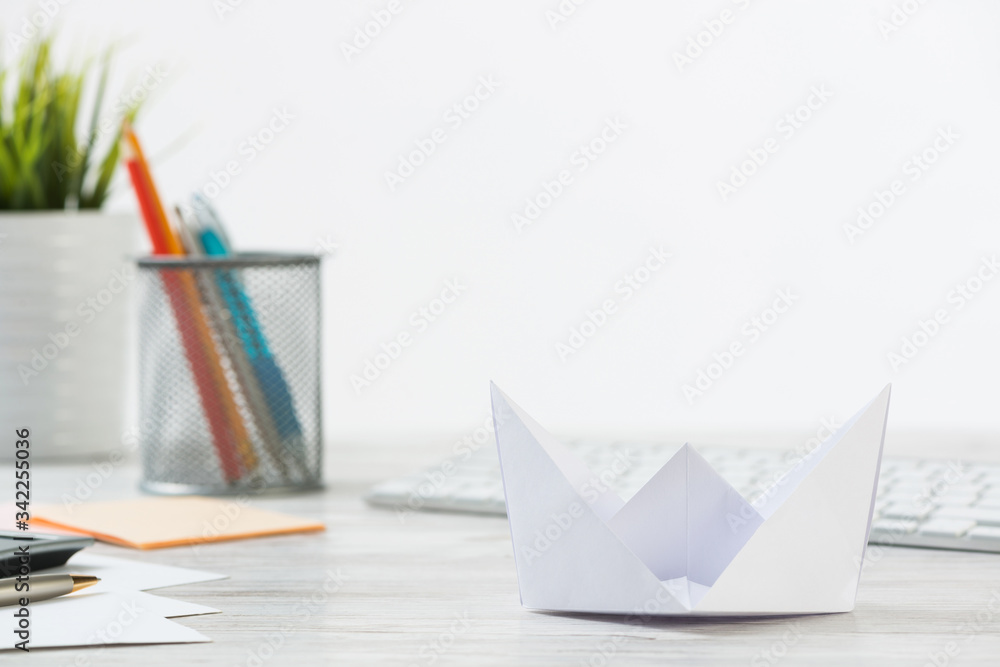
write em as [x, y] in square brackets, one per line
[65, 284]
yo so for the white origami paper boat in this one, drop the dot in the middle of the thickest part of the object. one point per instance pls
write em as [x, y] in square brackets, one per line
[688, 543]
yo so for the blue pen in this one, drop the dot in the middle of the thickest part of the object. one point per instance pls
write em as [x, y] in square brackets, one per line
[269, 375]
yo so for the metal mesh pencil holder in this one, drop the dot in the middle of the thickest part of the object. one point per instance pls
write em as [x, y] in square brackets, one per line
[229, 373]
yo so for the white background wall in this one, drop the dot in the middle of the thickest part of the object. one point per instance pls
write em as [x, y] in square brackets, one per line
[322, 180]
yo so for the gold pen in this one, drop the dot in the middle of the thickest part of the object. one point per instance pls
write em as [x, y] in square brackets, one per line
[38, 587]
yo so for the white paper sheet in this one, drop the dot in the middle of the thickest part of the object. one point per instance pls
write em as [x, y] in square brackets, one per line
[687, 543]
[114, 610]
[167, 607]
[118, 574]
[120, 617]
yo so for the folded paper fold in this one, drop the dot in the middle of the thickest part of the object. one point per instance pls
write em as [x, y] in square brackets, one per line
[687, 543]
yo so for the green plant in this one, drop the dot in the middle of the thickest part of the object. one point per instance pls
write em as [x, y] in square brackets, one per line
[43, 164]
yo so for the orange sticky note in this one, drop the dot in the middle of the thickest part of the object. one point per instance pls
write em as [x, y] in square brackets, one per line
[152, 523]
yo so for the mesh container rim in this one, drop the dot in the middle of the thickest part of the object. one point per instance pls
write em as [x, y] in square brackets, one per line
[238, 260]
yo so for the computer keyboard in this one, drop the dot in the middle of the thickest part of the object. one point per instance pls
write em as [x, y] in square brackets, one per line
[920, 503]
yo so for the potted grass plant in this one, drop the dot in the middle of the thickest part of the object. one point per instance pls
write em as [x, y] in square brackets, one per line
[64, 275]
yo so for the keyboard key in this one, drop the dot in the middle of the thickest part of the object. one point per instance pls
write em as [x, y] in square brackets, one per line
[905, 490]
[496, 507]
[947, 527]
[893, 527]
[391, 491]
[986, 517]
[906, 511]
[960, 490]
[985, 533]
[916, 476]
[974, 476]
[989, 504]
[894, 498]
[478, 497]
[955, 501]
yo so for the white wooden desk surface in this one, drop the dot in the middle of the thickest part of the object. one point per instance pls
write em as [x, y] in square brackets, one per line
[440, 589]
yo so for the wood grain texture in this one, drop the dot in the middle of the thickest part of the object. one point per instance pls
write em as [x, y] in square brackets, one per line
[439, 589]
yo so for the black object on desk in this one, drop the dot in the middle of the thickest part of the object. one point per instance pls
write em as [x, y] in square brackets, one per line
[46, 551]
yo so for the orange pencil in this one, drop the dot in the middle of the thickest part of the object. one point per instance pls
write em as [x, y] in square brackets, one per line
[228, 431]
